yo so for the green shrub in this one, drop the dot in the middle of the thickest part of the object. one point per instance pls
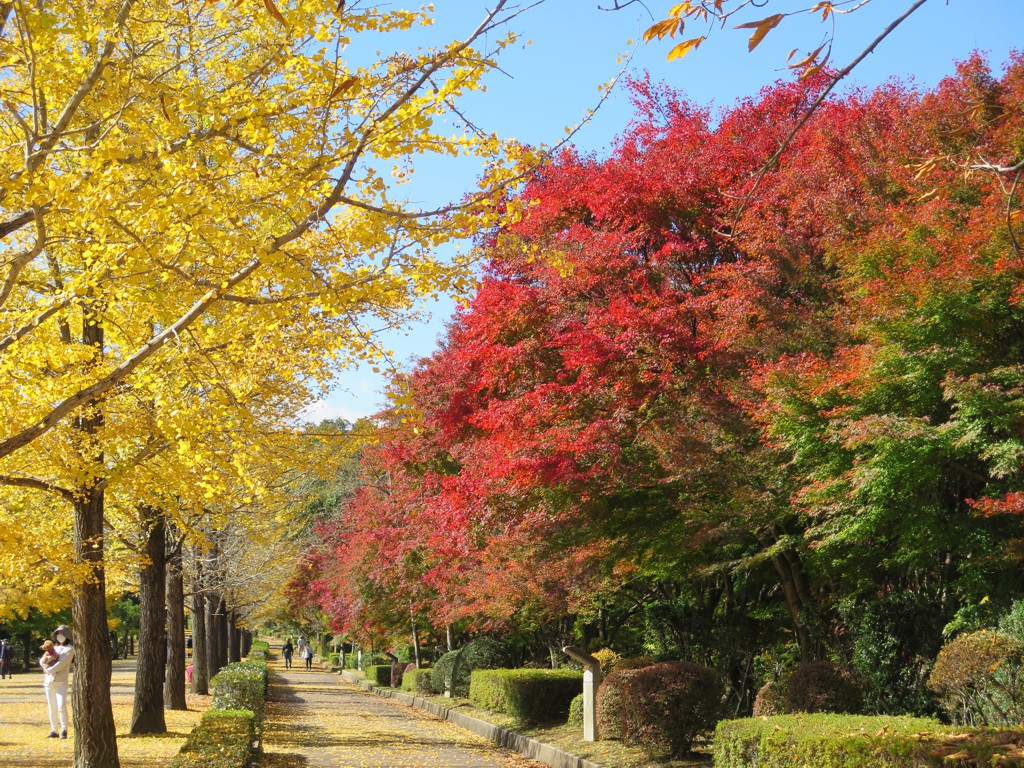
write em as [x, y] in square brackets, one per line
[666, 706]
[441, 677]
[576, 711]
[423, 685]
[379, 674]
[610, 724]
[979, 677]
[223, 739]
[334, 660]
[821, 686]
[856, 741]
[531, 696]
[894, 638]
[242, 685]
[482, 653]
[410, 680]
[259, 645]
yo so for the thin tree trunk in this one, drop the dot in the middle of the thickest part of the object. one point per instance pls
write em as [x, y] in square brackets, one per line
[234, 640]
[415, 635]
[222, 634]
[174, 683]
[148, 715]
[95, 735]
[200, 668]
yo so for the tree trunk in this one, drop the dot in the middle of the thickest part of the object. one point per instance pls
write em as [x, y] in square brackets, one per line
[246, 642]
[200, 663]
[415, 636]
[222, 634]
[148, 715]
[234, 640]
[795, 605]
[216, 634]
[95, 736]
[174, 683]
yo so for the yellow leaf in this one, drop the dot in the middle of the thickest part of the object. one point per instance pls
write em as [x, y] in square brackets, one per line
[761, 28]
[684, 48]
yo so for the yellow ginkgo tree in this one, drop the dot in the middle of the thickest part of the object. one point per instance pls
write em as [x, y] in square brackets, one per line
[187, 176]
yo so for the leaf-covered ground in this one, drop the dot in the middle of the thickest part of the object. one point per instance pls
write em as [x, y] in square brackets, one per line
[24, 725]
[315, 719]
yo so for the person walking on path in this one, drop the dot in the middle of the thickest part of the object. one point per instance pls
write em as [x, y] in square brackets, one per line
[286, 651]
[55, 680]
[5, 659]
[307, 654]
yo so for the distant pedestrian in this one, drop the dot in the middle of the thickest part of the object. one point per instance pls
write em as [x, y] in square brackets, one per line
[307, 654]
[5, 659]
[189, 672]
[286, 651]
[55, 680]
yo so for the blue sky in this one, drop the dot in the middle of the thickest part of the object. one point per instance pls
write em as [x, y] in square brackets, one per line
[568, 48]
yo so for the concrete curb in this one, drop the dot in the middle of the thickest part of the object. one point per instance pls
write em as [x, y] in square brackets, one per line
[531, 748]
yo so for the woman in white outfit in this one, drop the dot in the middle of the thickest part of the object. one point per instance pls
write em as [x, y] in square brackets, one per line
[55, 681]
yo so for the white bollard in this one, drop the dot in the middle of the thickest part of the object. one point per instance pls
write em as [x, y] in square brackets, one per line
[591, 679]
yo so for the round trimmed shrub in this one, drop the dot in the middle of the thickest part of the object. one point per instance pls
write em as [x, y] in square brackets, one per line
[610, 715]
[979, 677]
[442, 674]
[576, 711]
[667, 705]
[769, 700]
[821, 686]
[482, 653]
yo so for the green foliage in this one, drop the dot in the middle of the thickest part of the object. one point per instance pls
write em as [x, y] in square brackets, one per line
[482, 653]
[666, 706]
[242, 685]
[854, 741]
[979, 677]
[379, 674]
[576, 711]
[531, 696]
[894, 639]
[416, 680]
[608, 658]
[334, 659]
[223, 739]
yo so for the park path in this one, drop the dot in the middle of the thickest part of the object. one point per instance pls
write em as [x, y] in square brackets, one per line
[317, 720]
[24, 724]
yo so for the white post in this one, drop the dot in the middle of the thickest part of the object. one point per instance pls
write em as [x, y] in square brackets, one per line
[591, 679]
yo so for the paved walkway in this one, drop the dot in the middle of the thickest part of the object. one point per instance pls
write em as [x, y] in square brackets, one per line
[316, 720]
[24, 724]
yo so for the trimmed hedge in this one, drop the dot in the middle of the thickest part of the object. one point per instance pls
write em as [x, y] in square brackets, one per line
[855, 741]
[482, 653]
[242, 685]
[379, 674]
[576, 711]
[416, 681]
[531, 696]
[224, 738]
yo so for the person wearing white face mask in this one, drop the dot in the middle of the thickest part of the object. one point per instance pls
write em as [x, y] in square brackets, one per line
[55, 681]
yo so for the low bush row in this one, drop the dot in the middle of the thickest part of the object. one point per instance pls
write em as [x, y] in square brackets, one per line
[855, 741]
[229, 734]
[417, 681]
[531, 696]
[378, 674]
